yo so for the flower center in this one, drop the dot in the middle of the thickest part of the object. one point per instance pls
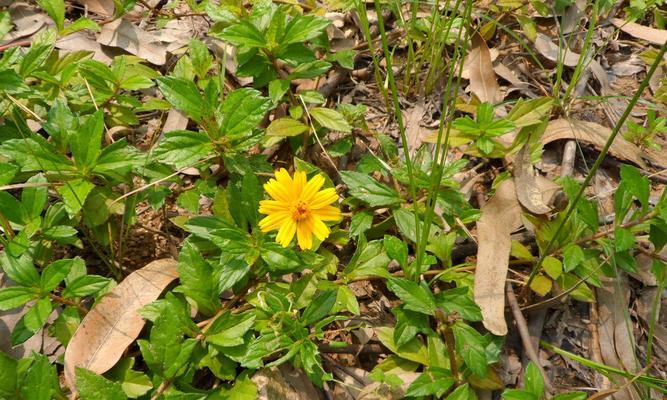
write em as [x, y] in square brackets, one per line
[300, 211]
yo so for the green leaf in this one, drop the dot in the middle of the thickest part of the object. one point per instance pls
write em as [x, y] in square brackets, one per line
[228, 329]
[310, 70]
[74, 194]
[517, 394]
[32, 321]
[86, 141]
[414, 350]
[368, 260]
[183, 148]
[570, 396]
[10, 81]
[7, 171]
[8, 375]
[20, 270]
[302, 28]
[552, 266]
[117, 160]
[459, 300]
[242, 110]
[65, 325]
[417, 297]
[582, 292]
[462, 392]
[396, 249]
[431, 382]
[573, 255]
[360, 223]
[85, 286]
[41, 381]
[470, 345]
[201, 58]
[623, 239]
[533, 380]
[34, 198]
[346, 300]
[135, 384]
[636, 183]
[56, 10]
[14, 297]
[5, 23]
[330, 119]
[243, 34]
[286, 127]
[92, 386]
[368, 190]
[198, 279]
[55, 272]
[408, 324]
[12, 209]
[80, 24]
[40, 49]
[541, 285]
[319, 307]
[189, 200]
[183, 95]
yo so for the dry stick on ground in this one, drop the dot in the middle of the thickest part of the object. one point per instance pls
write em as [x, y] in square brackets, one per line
[525, 336]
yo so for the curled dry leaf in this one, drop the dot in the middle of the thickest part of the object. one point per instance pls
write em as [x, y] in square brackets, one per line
[527, 191]
[114, 323]
[651, 35]
[592, 134]
[551, 51]
[134, 40]
[500, 216]
[284, 382]
[482, 77]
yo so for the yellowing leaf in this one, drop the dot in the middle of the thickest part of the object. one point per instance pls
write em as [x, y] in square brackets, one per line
[541, 285]
[286, 127]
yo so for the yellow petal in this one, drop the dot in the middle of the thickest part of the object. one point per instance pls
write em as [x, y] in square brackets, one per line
[274, 221]
[299, 183]
[326, 213]
[286, 232]
[277, 191]
[304, 235]
[283, 177]
[311, 188]
[324, 198]
[319, 228]
[272, 206]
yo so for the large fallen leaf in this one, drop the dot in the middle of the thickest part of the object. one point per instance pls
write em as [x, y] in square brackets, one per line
[114, 323]
[102, 7]
[500, 217]
[80, 41]
[651, 35]
[284, 382]
[27, 20]
[482, 77]
[527, 190]
[134, 40]
[592, 134]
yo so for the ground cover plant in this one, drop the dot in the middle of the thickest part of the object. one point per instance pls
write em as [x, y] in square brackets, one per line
[349, 199]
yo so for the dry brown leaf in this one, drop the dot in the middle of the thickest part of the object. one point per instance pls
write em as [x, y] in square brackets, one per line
[102, 7]
[482, 77]
[27, 21]
[413, 130]
[79, 41]
[500, 217]
[125, 35]
[616, 345]
[651, 35]
[592, 134]
[527, 191]
[550, 51]
[284, 382]
[114, 323]
[176, 121]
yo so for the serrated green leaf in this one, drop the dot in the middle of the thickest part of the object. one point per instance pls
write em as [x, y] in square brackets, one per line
[74, 194]
[368, 190]
[330, 119]
[85, 286]
[242, 110]
[14, 297]
[286, 127]
[183, 95]
[198, 279]
[183, 148]
[92, 386]
[243, 34]
[415, 297]
[302, 28]
[56, 10]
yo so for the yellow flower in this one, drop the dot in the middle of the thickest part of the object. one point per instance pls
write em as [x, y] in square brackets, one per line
[298, 206]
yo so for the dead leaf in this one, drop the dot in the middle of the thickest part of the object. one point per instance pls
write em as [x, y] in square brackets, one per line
[413, 129]
[517, 84]
[79, 41]
[482, 77]
[500, 217]
[125, 35]
[551, 51]
[114, 323]
[651, 35]
[617, 346]
[102, 7]
[27, 21]
[284, 382]
[527, 191]
[592, 134]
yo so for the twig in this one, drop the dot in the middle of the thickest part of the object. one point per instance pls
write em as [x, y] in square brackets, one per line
[569, 155]
[15, 44]
[163, 386]
[525, 336]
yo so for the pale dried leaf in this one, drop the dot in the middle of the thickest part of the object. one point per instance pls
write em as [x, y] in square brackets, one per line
[102, 7]
[551, 51]
[651, 35]
[79, 41]
[27, 21]
[616, 344]
[500, 216]
[176, 121]
[480, 69]
[592, 134]
[284, 382]
[114, 323]
[125, 35]
[413, 129]
[527, 191]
